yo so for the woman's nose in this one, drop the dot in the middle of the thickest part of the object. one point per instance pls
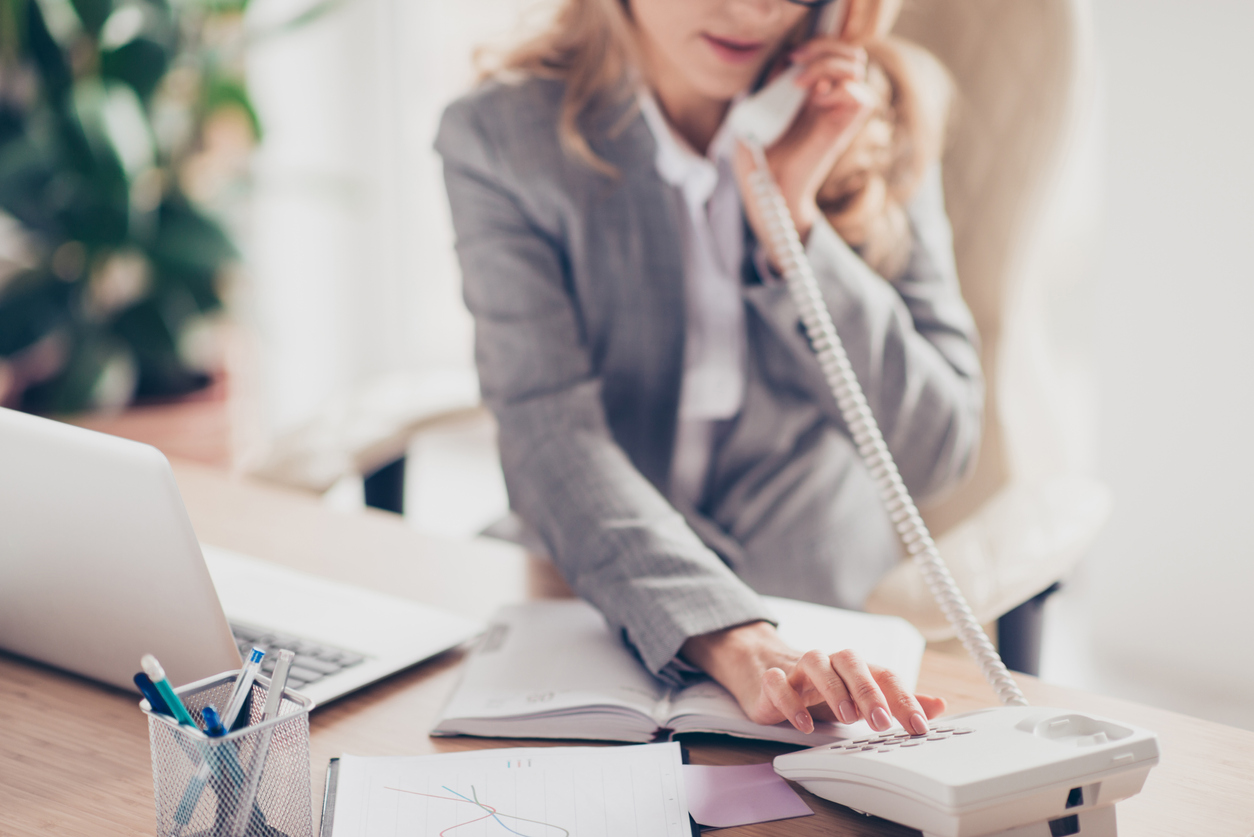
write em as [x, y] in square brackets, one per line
[760, 11]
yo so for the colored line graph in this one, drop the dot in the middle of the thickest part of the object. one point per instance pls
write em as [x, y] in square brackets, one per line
[491, 812]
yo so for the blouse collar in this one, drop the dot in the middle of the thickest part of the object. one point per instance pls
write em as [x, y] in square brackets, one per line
[677, 162]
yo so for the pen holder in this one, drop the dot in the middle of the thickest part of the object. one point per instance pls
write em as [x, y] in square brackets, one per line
[203, 785]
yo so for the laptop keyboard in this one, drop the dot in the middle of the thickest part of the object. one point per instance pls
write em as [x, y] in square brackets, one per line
[313, 661]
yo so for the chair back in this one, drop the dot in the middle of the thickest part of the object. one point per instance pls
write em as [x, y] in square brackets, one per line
[1023, 71]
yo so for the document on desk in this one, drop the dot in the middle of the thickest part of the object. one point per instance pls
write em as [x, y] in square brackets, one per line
[552, 669]
[634, 791]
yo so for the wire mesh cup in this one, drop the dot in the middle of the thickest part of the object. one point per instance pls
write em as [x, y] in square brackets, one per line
[253, 782]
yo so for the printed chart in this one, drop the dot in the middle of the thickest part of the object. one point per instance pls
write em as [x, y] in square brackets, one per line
[527, 826]
[632, 791]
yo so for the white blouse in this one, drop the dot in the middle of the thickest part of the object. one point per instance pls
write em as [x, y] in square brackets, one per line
[715, 343]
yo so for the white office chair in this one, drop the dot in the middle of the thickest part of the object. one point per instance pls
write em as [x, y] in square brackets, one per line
[367, 432]
[1024, 73]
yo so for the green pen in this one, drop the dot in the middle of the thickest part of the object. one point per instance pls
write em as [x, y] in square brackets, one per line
[157, 675]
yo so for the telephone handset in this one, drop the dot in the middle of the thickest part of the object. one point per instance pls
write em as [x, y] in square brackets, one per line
[1014, 771]
[762, 118]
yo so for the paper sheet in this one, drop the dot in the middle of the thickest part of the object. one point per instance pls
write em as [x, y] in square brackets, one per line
[724, 796]
[633, 791]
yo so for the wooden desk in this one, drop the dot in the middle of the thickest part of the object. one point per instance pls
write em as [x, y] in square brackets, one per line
[74, 755]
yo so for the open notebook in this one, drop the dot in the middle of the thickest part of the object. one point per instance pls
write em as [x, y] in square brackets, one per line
[553, 669]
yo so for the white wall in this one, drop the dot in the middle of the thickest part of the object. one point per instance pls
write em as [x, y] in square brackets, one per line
[351, 262]
[1162, 611]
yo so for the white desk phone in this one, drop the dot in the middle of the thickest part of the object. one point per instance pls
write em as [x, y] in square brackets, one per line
[1013, 771]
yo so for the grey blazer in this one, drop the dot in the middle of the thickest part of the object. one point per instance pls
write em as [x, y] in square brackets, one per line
[575, 281]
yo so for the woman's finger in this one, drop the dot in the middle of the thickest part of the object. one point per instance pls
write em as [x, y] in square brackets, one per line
[852, 95]
[824, 46]
[823, 712]
[814, 670]
[932, 706]
[863, 688]
[901, 700]
[786, 700]
[825, 128]
[831, 68]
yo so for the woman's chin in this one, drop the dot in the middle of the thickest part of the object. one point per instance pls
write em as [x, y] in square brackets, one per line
[724, 87]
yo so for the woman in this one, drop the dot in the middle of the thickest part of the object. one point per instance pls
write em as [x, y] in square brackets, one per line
[663, 425]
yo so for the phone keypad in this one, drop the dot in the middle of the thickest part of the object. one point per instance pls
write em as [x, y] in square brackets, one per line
[888, 741]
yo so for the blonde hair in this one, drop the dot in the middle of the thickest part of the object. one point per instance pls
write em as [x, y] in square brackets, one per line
[866, 193]
[591, 47]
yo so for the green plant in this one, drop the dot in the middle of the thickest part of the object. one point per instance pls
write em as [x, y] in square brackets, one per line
[106, 264]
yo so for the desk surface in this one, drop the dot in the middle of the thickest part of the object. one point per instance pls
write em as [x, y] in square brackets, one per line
[74, 755]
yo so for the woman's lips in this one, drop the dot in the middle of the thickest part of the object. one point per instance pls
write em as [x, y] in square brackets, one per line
[734, 51]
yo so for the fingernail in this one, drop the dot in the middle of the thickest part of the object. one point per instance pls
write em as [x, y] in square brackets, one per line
[918, 723]
[880, 720]
[804, 722]
[847, 712]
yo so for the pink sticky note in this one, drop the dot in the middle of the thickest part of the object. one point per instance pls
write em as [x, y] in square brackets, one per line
[723, 796]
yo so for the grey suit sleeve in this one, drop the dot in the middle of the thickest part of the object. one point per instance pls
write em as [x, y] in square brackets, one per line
[912, 344]
[613, 535]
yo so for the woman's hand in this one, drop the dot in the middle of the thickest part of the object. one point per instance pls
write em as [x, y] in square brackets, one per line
[838, 104]
[774, 683]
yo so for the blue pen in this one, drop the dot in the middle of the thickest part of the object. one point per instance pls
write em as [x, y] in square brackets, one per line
[150, 693]
[213, 724]
[243, 687]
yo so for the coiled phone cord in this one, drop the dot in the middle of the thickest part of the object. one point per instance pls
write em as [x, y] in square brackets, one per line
[834, 362]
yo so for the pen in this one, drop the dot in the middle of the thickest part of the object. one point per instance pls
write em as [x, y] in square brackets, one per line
[155, 702]
[243, 686]
[274, 699]
[278, 682]
[157, 674]
[213, 724]
[217, 760]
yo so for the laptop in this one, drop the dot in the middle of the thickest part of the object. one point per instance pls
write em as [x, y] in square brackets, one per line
[99, 565]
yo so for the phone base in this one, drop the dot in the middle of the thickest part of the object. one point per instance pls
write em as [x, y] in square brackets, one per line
[1096, 822]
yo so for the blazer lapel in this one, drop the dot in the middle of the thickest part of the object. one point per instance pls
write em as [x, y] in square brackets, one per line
[641, 265]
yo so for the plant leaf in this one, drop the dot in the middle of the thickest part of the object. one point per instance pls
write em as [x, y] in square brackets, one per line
[31, 306]
[93, 14]
[151, 336]
[141, 63]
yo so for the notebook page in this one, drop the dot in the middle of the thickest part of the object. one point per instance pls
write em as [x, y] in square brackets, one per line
[546, 658]
[634, 791]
